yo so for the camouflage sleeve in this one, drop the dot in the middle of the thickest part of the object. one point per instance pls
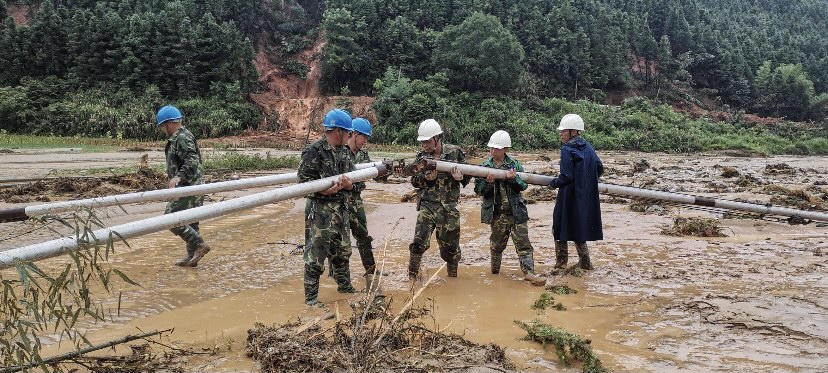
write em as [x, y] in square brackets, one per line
[482, 188]
[185, 148]
[309, 166]
[418, 180]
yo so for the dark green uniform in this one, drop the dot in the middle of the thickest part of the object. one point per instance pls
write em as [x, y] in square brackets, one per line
[184, 162]
[504, 209]
[357, 220]
[437, 209]
[326, 219]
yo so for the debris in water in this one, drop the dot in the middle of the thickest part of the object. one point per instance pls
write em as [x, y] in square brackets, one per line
[362, 345]
[640, 166]
[568, 346]
[535, 195]
[729, 172]
[694, 226]
[796, 198]
[779, 169]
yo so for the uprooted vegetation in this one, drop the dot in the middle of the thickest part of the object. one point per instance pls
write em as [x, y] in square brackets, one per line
[569, 347]
[798, 198]
[694, 226]
[144, 178]
[362, 345]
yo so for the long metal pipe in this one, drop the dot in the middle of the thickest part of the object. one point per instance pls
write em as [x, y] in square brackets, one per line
[23, 213]
[620, 190]
[159, 223]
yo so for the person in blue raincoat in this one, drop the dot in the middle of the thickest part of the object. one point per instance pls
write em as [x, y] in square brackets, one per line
[577, 214]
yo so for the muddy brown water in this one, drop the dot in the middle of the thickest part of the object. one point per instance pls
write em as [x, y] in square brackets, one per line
[756, 300]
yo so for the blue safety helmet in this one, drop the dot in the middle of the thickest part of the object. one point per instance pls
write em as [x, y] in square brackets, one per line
[338, 118]
[362, 126]
[167, 113]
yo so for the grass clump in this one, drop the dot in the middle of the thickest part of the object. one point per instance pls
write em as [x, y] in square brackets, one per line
[695, 226]
[561, 289]
[249, 162]
[568, 346]
[546, 300]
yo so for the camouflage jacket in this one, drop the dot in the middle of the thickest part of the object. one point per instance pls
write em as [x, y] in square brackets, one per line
[360, 157]
[444, 189]
[321, 160]
[491, 193]
[183, 158]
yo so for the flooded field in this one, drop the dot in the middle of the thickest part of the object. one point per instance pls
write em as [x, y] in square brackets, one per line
[753, 301]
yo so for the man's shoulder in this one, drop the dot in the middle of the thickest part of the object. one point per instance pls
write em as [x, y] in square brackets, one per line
[454, 150]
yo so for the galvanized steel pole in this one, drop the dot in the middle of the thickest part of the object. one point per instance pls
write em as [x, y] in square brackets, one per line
[23, 213]
[159, 223]
[625, 191]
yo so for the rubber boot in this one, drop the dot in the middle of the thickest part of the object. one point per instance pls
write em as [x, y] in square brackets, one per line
[497, 258]
[330, 268]
[200, 250]
[414, 266]
[561, 254]
[583, 255]
[185, 261]
[527, 266]
[311, 279]
[343, 279]
[452, 269]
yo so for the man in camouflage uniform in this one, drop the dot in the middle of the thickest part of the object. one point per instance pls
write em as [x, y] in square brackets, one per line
[326, 212]
[504, 209]
[357, 220]
[183, 169]
[437, 204]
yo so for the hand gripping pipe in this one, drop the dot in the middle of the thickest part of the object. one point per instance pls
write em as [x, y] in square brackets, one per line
[625, 191]
[159, 223]
[23, 213]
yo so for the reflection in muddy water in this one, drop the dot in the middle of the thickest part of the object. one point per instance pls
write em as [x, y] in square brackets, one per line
[755, 301]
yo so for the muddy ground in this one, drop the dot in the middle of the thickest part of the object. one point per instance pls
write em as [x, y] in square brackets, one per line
[756, 300]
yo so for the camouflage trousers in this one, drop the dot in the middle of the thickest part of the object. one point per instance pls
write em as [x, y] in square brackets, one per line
[189, 233]
[445, 219]
[359, 229]
[326, 236]
[503, 226]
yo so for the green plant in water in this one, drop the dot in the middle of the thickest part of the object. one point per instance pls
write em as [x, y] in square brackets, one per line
[544, 301]
[568, 345]
[561, 289]
[36, 302]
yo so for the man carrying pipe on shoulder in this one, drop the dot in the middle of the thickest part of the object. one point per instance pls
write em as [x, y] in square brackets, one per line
[504, 209]
[183, 169]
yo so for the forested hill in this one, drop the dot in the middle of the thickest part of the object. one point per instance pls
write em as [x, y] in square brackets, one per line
[97, 67]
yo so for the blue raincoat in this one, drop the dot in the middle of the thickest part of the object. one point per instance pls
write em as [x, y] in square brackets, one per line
[577, 215]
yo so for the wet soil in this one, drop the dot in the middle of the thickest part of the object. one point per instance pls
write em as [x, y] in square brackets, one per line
[755, 300]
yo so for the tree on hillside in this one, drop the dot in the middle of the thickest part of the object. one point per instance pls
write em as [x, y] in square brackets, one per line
[346, 61]
[479, 55]
[783, 91]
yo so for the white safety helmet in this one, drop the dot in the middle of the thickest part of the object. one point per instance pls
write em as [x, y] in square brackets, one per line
[428, 129]
[571, 122]
[500, 140]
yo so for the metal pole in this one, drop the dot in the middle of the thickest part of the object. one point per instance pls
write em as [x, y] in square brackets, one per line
[619, 190]
[23, 213]
[159, 223]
